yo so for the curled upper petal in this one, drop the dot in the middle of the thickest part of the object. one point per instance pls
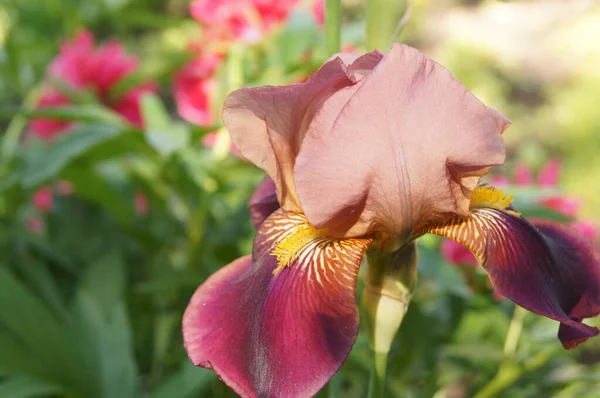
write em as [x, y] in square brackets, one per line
[408, 144]
[268, 124]
[543, 266]
[278, 334]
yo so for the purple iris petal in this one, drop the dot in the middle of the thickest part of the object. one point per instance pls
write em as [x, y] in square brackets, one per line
[283, 334]
[543, 266]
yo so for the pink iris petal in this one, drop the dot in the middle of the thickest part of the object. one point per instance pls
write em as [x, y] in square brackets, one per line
[523, 175]
[263, 202]
[408, 145]
[280, 335]
[268, 123]
[43, 199]
[550, 174]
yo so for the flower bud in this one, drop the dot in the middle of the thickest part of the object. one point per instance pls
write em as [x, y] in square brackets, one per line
[390, 279]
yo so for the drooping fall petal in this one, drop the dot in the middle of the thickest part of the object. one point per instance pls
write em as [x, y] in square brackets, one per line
[543, 266]
[284, 333]
[409, 144]
[263, 202]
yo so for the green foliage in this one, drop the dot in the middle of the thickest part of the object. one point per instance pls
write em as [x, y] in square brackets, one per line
[91, 299]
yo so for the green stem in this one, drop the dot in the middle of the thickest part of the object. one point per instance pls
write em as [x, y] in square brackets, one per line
[508, 372]
[507, 376]
[384, 19]
[377, 381]
[235, 80]
[514, 332]
[13, 133]
[334, 389]
[333, 26]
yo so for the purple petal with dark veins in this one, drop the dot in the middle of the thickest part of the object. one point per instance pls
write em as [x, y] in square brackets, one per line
[543, 266]
[281, 335]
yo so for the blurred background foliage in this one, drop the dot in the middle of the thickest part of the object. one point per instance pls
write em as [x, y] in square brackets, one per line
[110, 220]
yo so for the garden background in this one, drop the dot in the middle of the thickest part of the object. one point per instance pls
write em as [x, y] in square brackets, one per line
[120, 192]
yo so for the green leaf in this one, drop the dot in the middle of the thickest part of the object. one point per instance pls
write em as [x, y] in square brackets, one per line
[91, 186]
[35, 343]
[26, 387]
[154, 113]
[188, 382]
[333, 26]
[68, 147]
[102, 311]
[384, 20]
[162, 134]
[79, 113]
[170, 140]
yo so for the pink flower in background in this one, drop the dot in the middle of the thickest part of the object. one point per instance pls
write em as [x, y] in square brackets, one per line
[456, 253]
[587, 228]
[548, 177]
[42, 199]
[195, 87]
[274, 12]
[141, 203]
[82, 67]
[246, 20]
[35, 224]
[227, 19]
[318, 11]
[46, 128]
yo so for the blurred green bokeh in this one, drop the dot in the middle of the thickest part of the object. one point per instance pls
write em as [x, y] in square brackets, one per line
[91, 302]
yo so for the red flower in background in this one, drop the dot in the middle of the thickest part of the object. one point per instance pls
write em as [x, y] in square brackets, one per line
[318, 11]
[82, 67]
[42, 199]
[195, 88]
[246, 20]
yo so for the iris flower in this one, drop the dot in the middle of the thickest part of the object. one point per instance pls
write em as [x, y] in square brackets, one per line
[371, 151]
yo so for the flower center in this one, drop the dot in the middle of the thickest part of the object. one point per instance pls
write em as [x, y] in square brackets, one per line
[291, 243]
[486, 196]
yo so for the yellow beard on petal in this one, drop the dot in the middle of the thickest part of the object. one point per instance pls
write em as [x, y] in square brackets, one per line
[489, 197]
[289, 246]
